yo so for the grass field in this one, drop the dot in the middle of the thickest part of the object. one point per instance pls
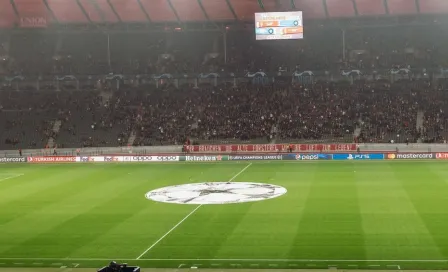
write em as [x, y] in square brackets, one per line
[381, 215]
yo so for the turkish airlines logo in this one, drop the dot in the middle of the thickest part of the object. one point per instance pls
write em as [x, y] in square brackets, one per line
[442, 156]
[51, 159]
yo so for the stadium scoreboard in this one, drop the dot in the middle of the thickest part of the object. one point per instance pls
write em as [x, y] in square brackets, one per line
[279, 25]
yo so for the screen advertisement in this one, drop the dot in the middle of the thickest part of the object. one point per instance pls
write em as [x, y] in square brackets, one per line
[307, 157]
[254, 157]
[150, 158]
[52, 159]
[410, 156]
[442, 156]
[12, 159]
[374, 156]
[279, 25]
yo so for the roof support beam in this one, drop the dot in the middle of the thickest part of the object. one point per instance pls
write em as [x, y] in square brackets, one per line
[100, 12]
[203, 10]
[355, 7]
[83, 11]
[113, 10]
[14, 8]
[51, 12]
[260, 3]
[231, 9]
[174, 10]
[144, 11]
[386, 6]
[324, 2]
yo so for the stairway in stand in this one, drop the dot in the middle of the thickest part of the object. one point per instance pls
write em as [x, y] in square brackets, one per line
[419, 124]
[131, 138]
[358, 128]
[56, 127]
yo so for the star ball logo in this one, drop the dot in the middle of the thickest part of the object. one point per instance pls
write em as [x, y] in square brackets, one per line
[216, 193]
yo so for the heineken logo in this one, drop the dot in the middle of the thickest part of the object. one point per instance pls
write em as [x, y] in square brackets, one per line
[203, 158]
[216, 193]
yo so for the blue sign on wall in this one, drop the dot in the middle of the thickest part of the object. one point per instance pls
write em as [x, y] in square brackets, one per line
[307, 157]
[362, 156]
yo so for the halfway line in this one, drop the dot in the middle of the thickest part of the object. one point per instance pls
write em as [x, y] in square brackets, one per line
[185, 218]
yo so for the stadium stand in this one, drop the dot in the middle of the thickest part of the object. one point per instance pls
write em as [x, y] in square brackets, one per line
[109, 73]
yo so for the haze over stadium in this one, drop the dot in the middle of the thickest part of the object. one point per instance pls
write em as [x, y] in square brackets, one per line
[220, 134]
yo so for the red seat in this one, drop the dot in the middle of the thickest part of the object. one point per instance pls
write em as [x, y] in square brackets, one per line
[340, 8]
[370, 7]
[129, 10]
[67, 11]
[398, 7]
[245, 9]
[7, 15]
[310, 8]
[91, 11]
[32, 13]
[434, 6]
[188, 10]
[106, 11]
[218, 10]
[159, 10]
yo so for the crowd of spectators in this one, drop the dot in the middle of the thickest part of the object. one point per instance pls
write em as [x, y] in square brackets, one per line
[99, 115]
[320, 111]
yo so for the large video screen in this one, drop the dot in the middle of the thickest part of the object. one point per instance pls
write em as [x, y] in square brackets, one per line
[279, 25]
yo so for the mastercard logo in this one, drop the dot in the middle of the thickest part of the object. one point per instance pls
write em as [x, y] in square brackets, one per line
[391, 156]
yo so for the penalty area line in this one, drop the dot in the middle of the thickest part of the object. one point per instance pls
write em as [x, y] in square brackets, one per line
[186, 217]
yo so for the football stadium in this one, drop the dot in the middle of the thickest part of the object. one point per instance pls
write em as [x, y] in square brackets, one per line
[346, 215]
[174, 135]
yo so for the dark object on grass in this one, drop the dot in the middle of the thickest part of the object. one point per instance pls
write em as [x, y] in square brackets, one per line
[117, 267]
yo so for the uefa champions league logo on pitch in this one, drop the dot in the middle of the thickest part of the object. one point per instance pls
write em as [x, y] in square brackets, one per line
[216, 193]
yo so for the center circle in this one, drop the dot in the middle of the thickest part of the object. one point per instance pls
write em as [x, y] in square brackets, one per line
[216, 193]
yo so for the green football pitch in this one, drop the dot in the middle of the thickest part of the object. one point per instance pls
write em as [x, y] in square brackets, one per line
[377, 215]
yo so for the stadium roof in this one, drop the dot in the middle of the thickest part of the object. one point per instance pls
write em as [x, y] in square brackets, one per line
[29, 12]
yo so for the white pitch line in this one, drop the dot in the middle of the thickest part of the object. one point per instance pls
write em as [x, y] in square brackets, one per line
[16, 176]
[166, 234]
[242, 260]
[185, 218]
[394, 265]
